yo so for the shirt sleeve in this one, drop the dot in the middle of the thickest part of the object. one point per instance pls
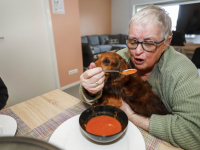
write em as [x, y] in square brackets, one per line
[87, 98]
[3, 94]
[181, 90]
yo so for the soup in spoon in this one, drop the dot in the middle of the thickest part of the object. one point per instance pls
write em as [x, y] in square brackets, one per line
[129, 71]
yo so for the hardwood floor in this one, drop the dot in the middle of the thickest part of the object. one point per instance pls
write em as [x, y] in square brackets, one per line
[74, 91]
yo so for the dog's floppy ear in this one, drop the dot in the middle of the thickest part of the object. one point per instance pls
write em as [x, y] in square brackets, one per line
[120, 66]
[123, 65]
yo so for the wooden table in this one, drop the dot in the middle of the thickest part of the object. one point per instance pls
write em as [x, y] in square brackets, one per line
[40, 116]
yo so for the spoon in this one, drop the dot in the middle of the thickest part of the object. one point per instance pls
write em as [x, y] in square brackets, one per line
[125, 72]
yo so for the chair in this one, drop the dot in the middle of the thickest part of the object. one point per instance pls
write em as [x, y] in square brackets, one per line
[180, 50]
[196, 57]
[87, 54]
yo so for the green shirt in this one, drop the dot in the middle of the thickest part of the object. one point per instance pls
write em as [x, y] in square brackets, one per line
[176, 81]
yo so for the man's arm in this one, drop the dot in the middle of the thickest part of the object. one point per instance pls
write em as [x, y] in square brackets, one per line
[138, 120]
[181, 92]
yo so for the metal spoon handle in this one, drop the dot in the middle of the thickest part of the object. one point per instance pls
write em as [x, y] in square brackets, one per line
[111, 71]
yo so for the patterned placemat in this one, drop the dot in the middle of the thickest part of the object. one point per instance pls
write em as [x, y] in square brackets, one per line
[151, 142]
[45, 130]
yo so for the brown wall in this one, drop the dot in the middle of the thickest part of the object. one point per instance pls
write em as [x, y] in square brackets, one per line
[66, 30]
[95, 17]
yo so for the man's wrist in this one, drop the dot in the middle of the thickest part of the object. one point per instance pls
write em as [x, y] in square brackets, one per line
[140, 121]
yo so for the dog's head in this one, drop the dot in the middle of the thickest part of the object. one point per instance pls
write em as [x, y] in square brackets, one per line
[113, 61]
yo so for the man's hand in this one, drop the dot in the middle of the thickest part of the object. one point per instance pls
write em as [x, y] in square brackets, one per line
[93, 79]
[136, 119]
[127, 109]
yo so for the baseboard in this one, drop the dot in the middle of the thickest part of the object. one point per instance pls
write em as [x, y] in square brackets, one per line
[70, 85]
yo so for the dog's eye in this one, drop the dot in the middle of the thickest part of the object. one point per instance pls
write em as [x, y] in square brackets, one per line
[106, 62]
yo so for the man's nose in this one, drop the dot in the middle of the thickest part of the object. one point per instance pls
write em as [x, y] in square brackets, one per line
[139, 49]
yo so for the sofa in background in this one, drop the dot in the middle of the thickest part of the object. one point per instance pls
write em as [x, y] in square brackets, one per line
[92, 45]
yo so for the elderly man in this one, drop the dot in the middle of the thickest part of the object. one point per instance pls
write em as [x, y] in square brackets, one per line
[173, 77]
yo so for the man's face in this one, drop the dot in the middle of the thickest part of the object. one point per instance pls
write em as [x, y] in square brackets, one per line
[142, 59]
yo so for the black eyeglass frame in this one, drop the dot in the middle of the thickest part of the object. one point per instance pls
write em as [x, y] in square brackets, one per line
[126, 38]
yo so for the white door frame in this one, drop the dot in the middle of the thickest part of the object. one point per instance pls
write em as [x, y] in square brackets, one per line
[51, 39]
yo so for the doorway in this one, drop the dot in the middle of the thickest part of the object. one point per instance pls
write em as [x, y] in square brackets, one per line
[28, 63]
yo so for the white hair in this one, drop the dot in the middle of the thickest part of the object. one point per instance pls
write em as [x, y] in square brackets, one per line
[154, 14]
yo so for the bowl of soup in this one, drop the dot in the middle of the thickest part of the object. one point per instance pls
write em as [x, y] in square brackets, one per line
[103, 123]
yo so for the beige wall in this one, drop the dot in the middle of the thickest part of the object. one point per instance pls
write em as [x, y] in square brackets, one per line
[66, 30]
[95, 17]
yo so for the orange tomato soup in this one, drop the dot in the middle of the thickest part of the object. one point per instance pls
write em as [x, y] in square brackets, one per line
[129, 71]
[103, 125]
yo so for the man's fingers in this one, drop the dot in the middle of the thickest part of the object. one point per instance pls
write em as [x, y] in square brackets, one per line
[92, 65]
[91, 72]
[96, 89]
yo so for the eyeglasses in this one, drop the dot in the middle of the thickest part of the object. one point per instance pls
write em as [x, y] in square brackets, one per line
[147, 45]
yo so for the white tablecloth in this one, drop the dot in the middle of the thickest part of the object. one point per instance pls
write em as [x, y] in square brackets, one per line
[199, 71]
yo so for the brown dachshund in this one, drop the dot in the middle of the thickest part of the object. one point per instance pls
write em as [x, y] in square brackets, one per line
[131, 88]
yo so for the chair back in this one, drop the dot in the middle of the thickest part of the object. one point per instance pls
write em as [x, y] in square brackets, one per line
[196, 57]
[87, 55]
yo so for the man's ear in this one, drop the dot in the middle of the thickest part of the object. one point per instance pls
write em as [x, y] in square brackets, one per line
[168, 41]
